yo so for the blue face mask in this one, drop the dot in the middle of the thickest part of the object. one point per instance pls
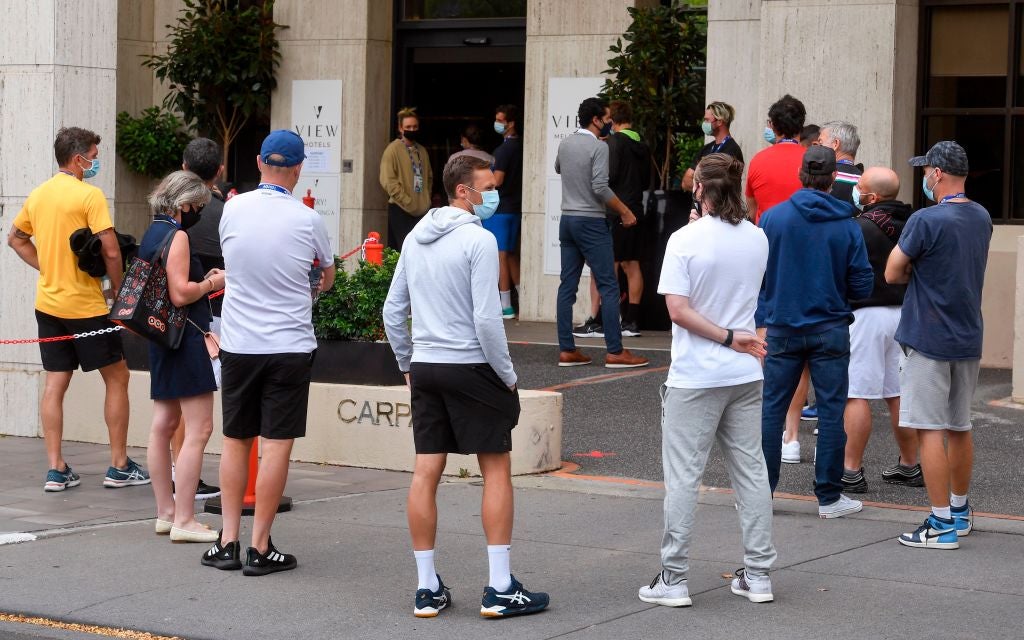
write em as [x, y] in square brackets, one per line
[928, 193]
[93, 169]
[499, 128]
[706, 128]
[769, 135]
[488, 205]
[856, 198]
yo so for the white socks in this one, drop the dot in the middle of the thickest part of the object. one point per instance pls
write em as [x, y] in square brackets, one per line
[941, 512]
[506, 299]
[957, 502]
[498, 557]
[425, 572]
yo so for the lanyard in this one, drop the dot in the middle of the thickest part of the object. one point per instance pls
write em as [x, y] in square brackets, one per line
[785, 140]
[274, 187]
[67, 173]
[715, 148]
[845, 161]
[953, 197]
[417, 166]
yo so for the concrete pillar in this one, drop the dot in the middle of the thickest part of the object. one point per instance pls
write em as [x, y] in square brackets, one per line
[1018, 327]
[564, 38]
[347, 40]
[56, 69]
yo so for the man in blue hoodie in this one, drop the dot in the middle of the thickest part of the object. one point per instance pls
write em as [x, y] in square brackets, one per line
[816, 262]
[456, 362]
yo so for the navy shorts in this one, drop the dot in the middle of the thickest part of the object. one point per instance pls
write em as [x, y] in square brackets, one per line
[505, 227]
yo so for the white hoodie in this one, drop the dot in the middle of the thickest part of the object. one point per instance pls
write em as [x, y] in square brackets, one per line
[448, 274]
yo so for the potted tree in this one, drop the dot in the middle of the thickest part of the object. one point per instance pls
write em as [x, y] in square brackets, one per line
[659, 69]
[351, 345]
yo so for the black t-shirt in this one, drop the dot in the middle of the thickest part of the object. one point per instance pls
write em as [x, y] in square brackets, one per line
[508, 157]
[204, 242]
[728, 146]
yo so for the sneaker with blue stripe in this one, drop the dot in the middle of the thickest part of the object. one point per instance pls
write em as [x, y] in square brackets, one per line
[935, 533]
[514, 601]
[430, 603]
[132, 475]
[61, 480]
[964, 520]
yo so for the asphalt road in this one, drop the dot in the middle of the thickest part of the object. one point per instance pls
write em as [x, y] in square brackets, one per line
[620, 419]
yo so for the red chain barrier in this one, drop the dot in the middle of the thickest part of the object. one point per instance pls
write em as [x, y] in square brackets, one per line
[87, 334]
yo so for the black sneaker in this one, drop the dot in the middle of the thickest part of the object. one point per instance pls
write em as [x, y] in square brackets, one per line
[902, 474]
[630, 330]
[260, 564]
[429, 603]
[515, 601]
[854, 481]
[205, 491]
[223, 556]
[590, 329]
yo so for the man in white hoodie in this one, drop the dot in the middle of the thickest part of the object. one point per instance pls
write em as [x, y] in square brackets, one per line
[456, 362]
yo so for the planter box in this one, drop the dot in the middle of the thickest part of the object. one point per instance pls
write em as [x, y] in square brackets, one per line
[337, 361]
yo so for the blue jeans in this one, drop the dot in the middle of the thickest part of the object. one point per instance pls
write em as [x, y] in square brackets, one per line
[828, 355]
[587, 240]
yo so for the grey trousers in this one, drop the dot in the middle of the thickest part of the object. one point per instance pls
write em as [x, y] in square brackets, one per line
[691, 420]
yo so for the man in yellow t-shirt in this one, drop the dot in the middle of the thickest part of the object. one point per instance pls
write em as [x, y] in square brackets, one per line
[69, 301]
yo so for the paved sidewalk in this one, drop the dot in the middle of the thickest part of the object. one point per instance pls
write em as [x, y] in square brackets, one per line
[590, 544]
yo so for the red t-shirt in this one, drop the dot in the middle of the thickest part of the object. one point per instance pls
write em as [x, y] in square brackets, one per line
[774, 175]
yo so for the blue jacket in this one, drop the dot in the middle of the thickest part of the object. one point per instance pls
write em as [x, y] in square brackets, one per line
[816, 262]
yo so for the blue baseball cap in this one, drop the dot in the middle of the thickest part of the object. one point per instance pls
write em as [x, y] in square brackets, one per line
[286, 144]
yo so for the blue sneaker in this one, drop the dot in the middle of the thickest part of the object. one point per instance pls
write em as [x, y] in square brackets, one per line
[809, 414]
[59, 481]
[964, 519]
[130, 476]
[515, 601]
[935, 533]
[430, 603]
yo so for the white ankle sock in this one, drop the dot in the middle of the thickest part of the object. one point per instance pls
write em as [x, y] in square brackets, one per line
[498, 557]
[941, 512]
[957, 502]
[506, 299]
[426, 574]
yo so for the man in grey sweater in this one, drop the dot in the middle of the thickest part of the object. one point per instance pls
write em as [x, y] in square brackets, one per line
[456, 362]
[584, 235]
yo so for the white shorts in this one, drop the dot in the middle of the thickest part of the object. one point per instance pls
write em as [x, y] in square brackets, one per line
[874, 353]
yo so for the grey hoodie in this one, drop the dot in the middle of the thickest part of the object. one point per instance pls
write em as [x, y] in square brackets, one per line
[447, 276]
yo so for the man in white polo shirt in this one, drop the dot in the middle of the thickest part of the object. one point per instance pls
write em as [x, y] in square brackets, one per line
[269, 240]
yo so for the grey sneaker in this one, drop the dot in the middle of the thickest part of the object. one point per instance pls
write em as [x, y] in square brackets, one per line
[753, 588]
[668, 595]
[842, 507]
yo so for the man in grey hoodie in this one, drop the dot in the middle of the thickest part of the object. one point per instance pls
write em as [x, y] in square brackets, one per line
[456, 362]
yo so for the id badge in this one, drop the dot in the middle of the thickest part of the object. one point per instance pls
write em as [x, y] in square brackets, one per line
[417, 183]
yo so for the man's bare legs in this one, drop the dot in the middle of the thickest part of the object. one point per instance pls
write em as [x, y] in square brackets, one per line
[857, 420]
[115, 411]
[51, 412]
[234, 474]
[421, 506]
[269, 488]
[497, 507]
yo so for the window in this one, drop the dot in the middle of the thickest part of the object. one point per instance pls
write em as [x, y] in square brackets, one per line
[462, 9]
[972, 91]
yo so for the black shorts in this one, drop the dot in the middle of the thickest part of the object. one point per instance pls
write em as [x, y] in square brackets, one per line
[265, 394]
[461, 408]
[91, 353]
[627, 242]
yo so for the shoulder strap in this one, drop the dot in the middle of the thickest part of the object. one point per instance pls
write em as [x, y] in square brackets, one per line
[163, 250]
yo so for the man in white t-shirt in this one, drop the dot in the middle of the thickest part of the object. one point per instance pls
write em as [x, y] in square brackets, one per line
[269, 240]
[710, 278]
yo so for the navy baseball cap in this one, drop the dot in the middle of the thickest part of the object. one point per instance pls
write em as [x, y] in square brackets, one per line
[286, 144]
[946, 155]
[819, 160]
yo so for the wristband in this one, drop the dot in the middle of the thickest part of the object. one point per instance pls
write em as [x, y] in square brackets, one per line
[728, 337]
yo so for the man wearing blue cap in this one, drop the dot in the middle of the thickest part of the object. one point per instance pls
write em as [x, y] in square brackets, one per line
[941, 256]
[267, 345]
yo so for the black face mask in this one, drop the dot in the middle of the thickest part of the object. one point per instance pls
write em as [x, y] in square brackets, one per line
[410, 135]
[190, 218]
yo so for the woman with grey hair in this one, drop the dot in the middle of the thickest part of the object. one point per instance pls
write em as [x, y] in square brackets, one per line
[182, 382]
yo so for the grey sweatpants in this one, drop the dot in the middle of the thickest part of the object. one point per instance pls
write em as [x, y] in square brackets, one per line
[691, 420]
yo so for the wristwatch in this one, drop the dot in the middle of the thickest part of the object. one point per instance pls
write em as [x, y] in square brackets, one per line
[728, 337]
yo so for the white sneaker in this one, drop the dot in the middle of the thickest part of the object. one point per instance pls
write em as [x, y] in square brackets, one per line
[675, 595]
[753, 588]
[791, 451]
[842, 507]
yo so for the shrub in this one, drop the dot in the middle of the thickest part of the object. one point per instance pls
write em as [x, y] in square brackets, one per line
[352, 309]
[151, 144]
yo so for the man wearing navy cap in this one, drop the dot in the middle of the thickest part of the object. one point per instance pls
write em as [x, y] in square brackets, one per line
[267, 345]
[941, 256]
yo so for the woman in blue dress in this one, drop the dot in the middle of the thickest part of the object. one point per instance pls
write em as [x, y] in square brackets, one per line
[182, 382]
